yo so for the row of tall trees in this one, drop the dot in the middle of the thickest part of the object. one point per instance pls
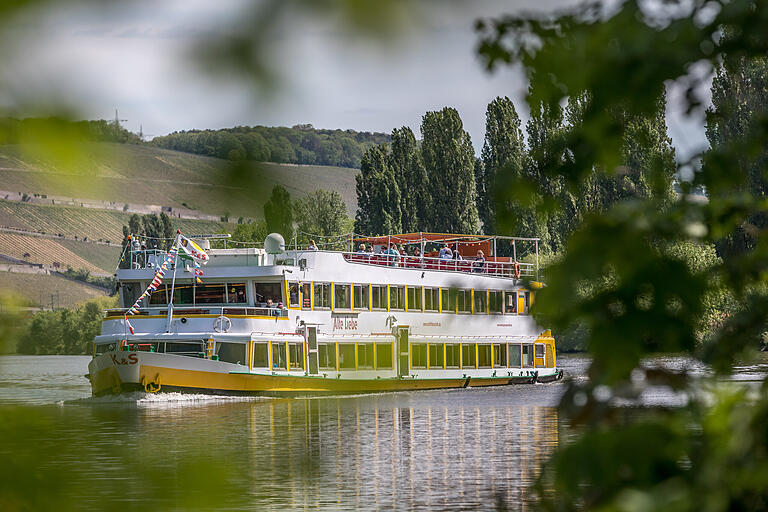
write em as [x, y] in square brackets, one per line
[437, 184]
[300, 144]
[17, 131]
[320, 215]
[412, 187]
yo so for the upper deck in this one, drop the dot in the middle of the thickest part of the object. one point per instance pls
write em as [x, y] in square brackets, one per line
[420, 251]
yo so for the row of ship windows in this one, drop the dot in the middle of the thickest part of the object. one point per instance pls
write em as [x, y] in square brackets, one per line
[289, 356]
[380, 356]
[371, 297]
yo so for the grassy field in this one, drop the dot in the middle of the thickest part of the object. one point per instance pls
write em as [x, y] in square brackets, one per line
[84, 222]
[146, 175]
[35, 288]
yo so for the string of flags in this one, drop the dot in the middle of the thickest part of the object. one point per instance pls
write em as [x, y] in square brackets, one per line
[191, 250]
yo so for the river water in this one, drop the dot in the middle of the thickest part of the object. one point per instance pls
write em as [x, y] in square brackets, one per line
[473, 449]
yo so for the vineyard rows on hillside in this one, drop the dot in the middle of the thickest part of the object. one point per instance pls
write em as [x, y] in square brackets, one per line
[37, 289]
[47, 251]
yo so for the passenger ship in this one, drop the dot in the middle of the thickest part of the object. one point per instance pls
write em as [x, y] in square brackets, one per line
[277, 321]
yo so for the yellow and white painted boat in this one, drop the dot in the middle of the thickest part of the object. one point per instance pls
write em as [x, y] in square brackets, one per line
[298, 322]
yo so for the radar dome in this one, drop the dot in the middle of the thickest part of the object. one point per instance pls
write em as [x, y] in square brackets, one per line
[274, 243]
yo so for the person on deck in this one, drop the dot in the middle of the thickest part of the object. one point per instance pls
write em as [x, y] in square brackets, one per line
[479, 264]
[445, 253]
[312, 246]
[393, 256]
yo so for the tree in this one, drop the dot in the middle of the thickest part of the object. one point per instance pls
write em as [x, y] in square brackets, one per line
[503, 147]
[321, 214]
[739, 92]
[411, 177]
[378, 194]
[450, 162]
[278, 212]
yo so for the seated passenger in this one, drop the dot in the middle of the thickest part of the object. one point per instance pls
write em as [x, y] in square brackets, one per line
[479, 264]
[445, 253]
[361, 249]
[312, 246]
[393, 255]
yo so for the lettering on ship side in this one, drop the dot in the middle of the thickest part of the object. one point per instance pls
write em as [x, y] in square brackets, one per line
[431, 324]
[132, 359]
[345, 323]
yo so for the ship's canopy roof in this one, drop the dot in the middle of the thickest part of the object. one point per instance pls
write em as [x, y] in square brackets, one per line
[410, 238]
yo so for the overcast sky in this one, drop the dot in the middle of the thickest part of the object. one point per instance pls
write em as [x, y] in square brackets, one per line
[134, 58]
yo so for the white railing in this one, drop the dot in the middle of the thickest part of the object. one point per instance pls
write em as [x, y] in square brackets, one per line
[487, 267]
[200, 310]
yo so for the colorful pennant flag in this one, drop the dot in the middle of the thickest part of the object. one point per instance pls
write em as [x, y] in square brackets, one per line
[193, 250]
[128, 324]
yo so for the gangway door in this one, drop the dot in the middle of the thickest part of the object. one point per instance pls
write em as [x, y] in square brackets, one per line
[312, 350]
[403, 368]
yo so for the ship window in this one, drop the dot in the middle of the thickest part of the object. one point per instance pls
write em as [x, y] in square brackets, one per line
[510, 302]
[279, 361]
[185, 293]
[397, 297]
[322, 295]
[342, 296]
[539, 348]
[130, 291]
[384, 356]
[260, 355]
[483, 356]
[236, 293]
[527, 356]
[204, 294]
[379, 296]
[104, 347]
[414, 298]
[526, 297]
[184, 348]
[296, 356]
[157, 297]
[468, 355]
[464, 300]
[448, 300]
[419, 355]
[500, 355]
[265, 291]
[452, 356]
[360, 296]
[364, 355]
[431, 299]
[326, 354]
[480, 302]
[231, 352]
[496, 301]
[293, 295]
[346, 356]
[306, 296]
[436, 355]
[514, 355]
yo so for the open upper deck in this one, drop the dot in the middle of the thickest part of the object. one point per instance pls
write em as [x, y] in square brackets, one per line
[479, 255]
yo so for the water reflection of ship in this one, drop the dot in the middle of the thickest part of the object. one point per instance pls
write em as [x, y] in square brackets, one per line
[365, 453]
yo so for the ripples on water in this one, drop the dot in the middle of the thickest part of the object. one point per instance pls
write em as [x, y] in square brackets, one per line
[460, 449]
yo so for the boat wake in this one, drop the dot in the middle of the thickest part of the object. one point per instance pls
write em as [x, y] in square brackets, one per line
[161, 399]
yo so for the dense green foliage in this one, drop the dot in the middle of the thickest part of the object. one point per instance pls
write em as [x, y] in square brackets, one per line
[17, 131]
[64, 331]
[301, 144]
[322, 216]
[379, 198]
[640, 275]
[278, 212]
[411, 175]
[155, 232]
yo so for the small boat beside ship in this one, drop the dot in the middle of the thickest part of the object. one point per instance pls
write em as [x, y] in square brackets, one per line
[277, 321]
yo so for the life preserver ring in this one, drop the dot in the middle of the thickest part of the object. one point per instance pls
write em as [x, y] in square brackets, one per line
[222, 324]
[518, 271]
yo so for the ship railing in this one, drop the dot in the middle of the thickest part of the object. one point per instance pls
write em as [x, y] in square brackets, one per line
[146, 258]
[200, 310]
[474, 266]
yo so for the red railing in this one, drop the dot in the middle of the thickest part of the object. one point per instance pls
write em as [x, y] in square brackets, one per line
[487, 267]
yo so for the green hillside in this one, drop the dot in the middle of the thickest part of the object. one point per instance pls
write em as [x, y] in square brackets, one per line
[38, 289]
[73, 221]
[125, 173]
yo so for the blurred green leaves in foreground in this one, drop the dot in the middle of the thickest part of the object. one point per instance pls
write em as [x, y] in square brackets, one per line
[623, 274]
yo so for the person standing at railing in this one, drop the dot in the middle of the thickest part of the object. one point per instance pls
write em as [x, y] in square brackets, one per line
[393, 256]
[478, 266]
